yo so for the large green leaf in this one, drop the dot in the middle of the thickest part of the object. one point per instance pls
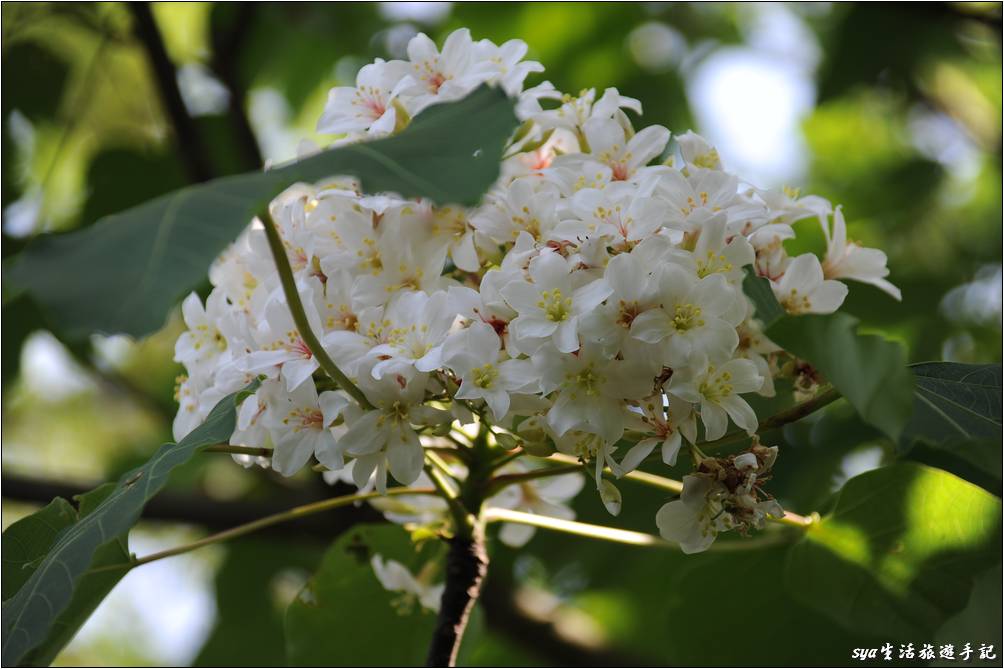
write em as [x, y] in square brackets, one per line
[29, 615]
[956, 421]
[124, 273]
[955, 402]
[25, 544]
[899, 552]
[344, 616]
[868, 370]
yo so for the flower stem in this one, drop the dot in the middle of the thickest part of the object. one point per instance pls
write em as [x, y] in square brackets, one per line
[300, 316]
[789, 415]
[239, 450]
[615, 535]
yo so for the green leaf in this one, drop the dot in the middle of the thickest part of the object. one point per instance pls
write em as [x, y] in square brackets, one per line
[868, 370]
[257, 581]
[345, 616]
[29, 615]
[757, 288]
[956, 421]
[955, 402]
[899, 552]
[26, 542]
[125, 272]
[25, 546]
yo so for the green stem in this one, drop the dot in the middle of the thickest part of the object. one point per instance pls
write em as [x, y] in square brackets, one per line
[238, 450]
[651, 480]
[275, 519]
[615, 535]
[300, 316]
[604, 533]
[463, 521]
[789, 415]
[497, 483]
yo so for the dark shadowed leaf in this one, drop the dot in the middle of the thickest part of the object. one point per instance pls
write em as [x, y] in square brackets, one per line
[332, 620]
[956, 421]
[125, 272]
[29, 615]
[955, 402]
[899, 552]
[253, 583]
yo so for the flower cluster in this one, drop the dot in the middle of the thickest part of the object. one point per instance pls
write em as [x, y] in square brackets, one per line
[593, 299]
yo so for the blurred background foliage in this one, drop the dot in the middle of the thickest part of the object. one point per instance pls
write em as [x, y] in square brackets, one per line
[893, 110]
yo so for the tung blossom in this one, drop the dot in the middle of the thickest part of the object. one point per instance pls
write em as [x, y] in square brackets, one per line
[591, 303]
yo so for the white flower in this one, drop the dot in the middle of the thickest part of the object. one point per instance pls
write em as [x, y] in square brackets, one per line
[803, 290]
[551, 304]
[698, 152]
[690, 316]
[415, 326]
[849, 260]
[476, 356]
[299, 423]
[717, 390]
[383, 438]
[395, 577]
[625, 156]
[693, 520]
[281, 349]
[367, 106]
[443, 75]
[591, 389]
[668, 418]
[205, 343]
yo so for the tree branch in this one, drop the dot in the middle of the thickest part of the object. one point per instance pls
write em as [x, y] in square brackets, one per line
[466, 568]
[227, 46]
[193, 151]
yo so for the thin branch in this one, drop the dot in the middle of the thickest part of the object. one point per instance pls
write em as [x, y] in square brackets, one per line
[226, 52]
[645, 478]
[193, 151]
[239, 450]
[789, 415]
[497, 483]
[300, 316]
[201, 510]
[466, 568]
[462, 520]
[493, 514]
[276, 518]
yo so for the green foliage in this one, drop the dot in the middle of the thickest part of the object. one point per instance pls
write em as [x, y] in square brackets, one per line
[955, 402]
[868, 370]
[758, 289]
[899, 553]
[956, 422]
[251, 585]
[336, 614]
[25, 546]
[124, 273]
[30, 614]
